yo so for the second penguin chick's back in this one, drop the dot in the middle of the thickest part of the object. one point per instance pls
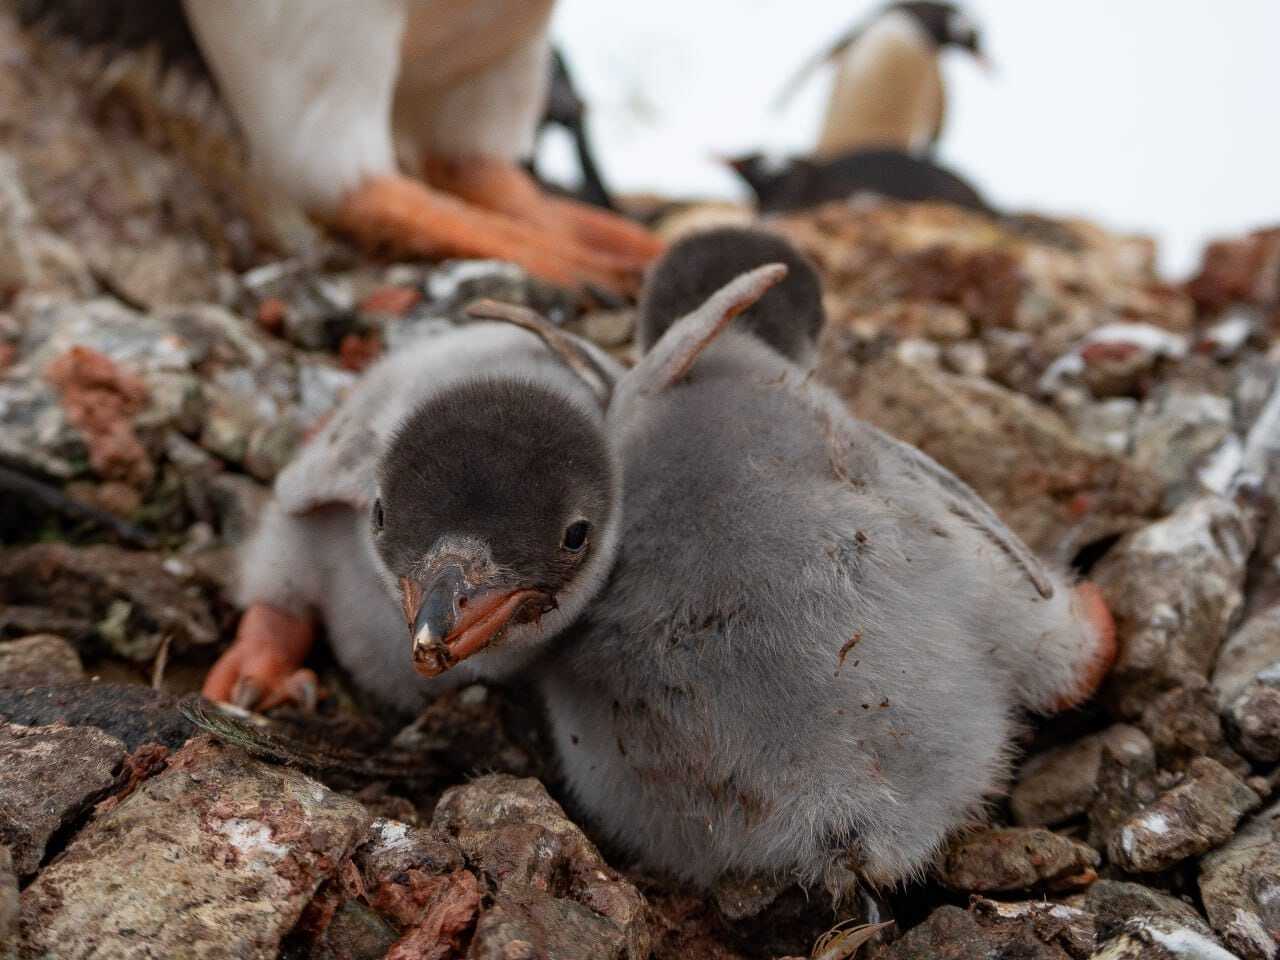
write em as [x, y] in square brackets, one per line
[813, 649]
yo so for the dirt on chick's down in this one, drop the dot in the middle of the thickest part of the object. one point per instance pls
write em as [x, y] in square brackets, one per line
[1113, 419]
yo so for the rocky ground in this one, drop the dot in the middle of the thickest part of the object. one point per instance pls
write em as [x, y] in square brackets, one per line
[160, 362]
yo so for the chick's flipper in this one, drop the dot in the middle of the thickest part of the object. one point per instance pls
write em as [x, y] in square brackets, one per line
[263, 667]
[504, 188]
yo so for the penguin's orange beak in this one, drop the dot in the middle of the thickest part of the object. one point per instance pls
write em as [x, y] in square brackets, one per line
[450, 619]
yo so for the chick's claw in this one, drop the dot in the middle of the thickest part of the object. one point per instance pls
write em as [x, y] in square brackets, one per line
[263, 667]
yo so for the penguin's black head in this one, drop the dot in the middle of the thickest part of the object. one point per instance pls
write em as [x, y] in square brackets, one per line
[788, 317]
[495, 520]
[945, 23]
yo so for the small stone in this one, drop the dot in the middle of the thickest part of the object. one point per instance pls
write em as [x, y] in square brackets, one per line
[609, 328]
[1060, 784]
[270, 448]
[1255, 722]
[1240, 887]
[1126, 782]
[1184, 724]
[1251, 654]
[247, 841]
[1177, 432]
[1197, 815]
[966, 358]
[551, 887]
[391, 849]
[50, 775]
[42, 654]
[1017, 858]
[1174, 589]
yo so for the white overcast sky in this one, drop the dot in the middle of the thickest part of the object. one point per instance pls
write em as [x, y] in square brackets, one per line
[1155, 115]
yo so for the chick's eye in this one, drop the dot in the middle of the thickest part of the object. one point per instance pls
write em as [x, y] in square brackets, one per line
[378, 518]
[575, 535]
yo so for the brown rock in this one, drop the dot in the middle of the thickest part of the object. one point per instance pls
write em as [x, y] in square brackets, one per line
[1068, 927]
[50, 775]
[41, 654]
[1240, 886]
[1017, 858]
[950, 933]
[1059, 784]
[246, 842]
[550, 886]
[1244, 270]
[1174, 588]
[1055, 491]
[127, 598]
[1197, 815]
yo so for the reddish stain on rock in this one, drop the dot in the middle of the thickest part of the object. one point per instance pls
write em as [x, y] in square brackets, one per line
[356, 352]
[396, 301]
[100, 400]
[271, 314]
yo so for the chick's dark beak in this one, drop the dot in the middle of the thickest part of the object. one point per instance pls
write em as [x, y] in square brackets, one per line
[450, 619]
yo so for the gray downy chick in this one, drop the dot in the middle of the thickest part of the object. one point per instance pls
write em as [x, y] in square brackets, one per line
[463, 490]
[788, 317]
[810, 658]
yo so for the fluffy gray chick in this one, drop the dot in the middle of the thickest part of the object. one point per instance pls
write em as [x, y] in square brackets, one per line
[788, 317]
[390, 517]
[815, 644]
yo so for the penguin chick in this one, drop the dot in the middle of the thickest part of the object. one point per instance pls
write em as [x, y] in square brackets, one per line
[788, 317]
[888, 89]
[815, 643]
[385, 526]
[798, 183]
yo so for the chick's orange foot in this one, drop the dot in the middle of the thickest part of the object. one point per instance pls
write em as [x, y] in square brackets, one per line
[406, 216]
[263, 667]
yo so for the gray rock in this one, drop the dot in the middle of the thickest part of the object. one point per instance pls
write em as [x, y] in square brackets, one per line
[551, 888]
[1162, 939]
[1107, 424]
[1062, 783]
[1017, 858]
[41, 654]
[1240, 886]
[35, 432]
[1114, 903]
[9, 906]
[1175, 589]
[1126, 781]
[1177, 431]
[1246, 681]
[215, 857]
[49, 776]
[1197, 815]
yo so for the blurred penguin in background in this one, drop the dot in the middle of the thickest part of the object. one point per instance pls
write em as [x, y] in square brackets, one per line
[888, 90]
